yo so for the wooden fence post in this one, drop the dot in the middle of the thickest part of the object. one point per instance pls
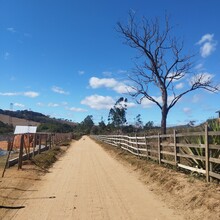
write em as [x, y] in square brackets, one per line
[159, 149]
[119, 140]
[10, 148]
[128, 142]
[50, 139]
[176, 149]
[34, 144]
[207, 153]
[46, 141]
[146, 145]
[137, 144]
[21, 152]
[39, 146]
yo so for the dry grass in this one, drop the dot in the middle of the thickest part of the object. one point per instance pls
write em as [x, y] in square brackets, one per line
[17, 121]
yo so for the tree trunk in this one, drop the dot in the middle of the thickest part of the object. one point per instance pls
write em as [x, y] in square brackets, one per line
[164, 121]
[164, 112]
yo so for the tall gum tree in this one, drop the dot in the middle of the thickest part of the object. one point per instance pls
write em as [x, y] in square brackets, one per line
[161, 64]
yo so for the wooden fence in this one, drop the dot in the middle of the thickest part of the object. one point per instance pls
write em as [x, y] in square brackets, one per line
[26, 146]
[195, 151]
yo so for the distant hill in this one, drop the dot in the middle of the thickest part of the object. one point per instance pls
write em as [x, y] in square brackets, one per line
[44, 123]
[17, 121]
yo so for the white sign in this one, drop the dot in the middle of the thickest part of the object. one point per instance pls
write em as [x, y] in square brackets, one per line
[25, 129]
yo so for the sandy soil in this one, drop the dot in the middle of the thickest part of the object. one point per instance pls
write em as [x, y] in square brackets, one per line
[86, 183]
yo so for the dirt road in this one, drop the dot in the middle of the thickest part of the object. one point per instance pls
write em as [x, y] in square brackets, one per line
[87, 183]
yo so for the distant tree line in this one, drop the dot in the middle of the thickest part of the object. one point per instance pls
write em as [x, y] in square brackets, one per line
[117, 122]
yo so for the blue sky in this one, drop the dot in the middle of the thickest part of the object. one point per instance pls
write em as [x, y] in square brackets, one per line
[64, 58]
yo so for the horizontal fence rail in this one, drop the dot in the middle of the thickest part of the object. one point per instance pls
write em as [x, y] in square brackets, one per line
[195, 151]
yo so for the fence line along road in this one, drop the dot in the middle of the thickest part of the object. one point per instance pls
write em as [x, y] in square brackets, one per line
[195, 151]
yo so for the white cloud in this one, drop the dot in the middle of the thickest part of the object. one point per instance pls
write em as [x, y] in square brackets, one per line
[119, 87]
[122, 88]
[122, 71]
[40, 104]
[199, 66]
[59, 90]
[187, 110]
[196, 98]
[11, 29]
[81, 72]
[179, 86]
[98, 102]
[19, 105]
[146, 103]
[9, 93]
[103, 102]
[208, 45]
[207, 49]
[128, 104]
[73, 109]
[31, 94]
[174, 76]
[201, 77]
[95, 82]
[206, 37]
[53, 104]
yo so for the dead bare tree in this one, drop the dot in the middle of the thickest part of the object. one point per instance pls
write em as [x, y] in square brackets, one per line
[162, 64]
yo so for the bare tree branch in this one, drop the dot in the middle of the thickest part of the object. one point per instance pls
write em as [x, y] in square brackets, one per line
[162, 63]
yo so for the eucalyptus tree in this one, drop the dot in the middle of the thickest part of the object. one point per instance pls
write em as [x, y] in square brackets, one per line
[117, 114]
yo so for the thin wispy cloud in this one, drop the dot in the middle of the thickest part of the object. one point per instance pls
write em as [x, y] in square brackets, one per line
[9, 93]
[199, 67]
[59, 90]
[73, 109]
[29, 94]
[187, 111]
[81, 72]
[11, 29]
[196, 98]
[53, 104]
[179, 86]
[122, 71]
[19, 105]
[40, 104]
[207, 45]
